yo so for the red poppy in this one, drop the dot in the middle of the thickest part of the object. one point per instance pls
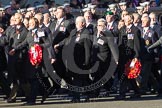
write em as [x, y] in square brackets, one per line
[133, 72]
[35, 55]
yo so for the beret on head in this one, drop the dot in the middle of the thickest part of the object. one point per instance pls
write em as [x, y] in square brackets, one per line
[109, 13]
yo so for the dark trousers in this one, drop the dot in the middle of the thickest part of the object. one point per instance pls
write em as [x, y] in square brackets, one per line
[126, 84]
[4, 84]
[145, 74]
[34, 83]
[80, 81]
[17, 76]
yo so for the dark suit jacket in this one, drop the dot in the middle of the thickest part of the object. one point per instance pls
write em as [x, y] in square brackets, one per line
[149, 38]
[130, 45]
[105, 46]
[3, 60]
[91, 27]
[158, 29]
[114, 30]
[58, 35]
[14, 39]
[83, 45]
[29, 41]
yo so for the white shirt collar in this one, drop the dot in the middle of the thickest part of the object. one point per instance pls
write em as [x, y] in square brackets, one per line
[47, 24]
[136, 24]
[18, 26]
[151, 26]
[145, 28]
[129, 26]
[34, 30]
[110, 24]
[87, 24]
[40, 26]
[60, 20]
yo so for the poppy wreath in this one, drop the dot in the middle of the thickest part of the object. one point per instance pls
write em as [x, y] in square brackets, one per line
[35, 55]
[133, 72]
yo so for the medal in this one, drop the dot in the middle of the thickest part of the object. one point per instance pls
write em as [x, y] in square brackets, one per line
[77, 39]
[18, 36]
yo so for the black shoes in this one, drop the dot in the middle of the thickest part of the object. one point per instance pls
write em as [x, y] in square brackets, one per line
[29, 103]
[11, 100]
[135, 96]
[44, 97]
[120, 97]
[75, 100]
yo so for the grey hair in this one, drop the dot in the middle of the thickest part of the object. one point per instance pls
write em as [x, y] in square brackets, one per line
[102, 20]
[80, 18]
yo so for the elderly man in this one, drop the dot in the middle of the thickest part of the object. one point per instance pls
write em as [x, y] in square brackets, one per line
[17, 59]
[154, 24]
[81, 38]
[149, 37]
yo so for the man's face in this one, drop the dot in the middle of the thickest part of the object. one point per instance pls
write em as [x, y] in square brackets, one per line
[145, 22]
[127, 20]
[46, 18]
[109, 18]
[17, 19]
[101, 26]
[68, 9]
[39, 18]
[12, 21]
[59, 13]
[32, 24]
[144, 15]
[87, 17]
[153, 19]
[123, 7]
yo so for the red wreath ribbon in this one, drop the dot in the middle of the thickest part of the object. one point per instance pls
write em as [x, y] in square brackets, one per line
[35, 55]
[133, 72]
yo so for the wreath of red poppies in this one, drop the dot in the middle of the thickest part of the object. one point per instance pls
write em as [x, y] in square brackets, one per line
[133, 72]
[35, 55]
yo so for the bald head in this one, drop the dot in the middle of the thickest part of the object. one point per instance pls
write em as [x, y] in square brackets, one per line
[80, 22]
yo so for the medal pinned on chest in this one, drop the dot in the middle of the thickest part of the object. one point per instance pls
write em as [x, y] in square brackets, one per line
[36, 39]
[18, 33]
[40, 33]
[18, 36]
[100, 41]
[130, 36]
[77, 37]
